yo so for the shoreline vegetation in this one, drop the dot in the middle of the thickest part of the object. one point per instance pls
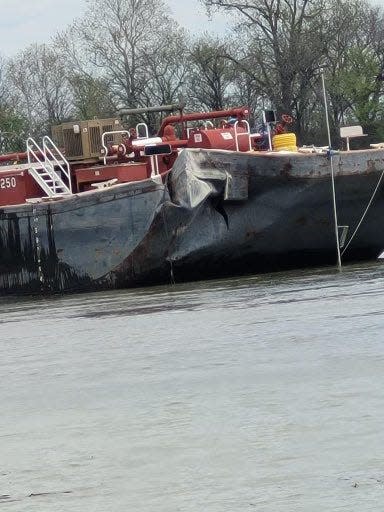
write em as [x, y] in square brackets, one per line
[133, 54]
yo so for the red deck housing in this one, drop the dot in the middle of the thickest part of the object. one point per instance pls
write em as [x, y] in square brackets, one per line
[16, 186]
[122, 172]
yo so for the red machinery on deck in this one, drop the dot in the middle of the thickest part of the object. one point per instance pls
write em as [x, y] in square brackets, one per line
[132, 158]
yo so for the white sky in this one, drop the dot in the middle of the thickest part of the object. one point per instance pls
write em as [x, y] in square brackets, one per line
[23, 22]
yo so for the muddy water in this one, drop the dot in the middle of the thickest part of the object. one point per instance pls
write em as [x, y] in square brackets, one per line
[264, 393]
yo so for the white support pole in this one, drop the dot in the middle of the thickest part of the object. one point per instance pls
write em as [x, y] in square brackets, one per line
[269, 136]
[332, 175]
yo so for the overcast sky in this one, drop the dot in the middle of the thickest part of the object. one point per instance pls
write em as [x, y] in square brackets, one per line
[27, 21]
[23, 22]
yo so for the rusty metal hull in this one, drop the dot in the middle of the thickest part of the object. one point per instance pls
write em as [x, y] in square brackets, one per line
[217, 213]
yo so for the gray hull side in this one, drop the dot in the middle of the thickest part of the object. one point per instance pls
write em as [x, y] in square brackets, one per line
[74, 244]
[218, 213]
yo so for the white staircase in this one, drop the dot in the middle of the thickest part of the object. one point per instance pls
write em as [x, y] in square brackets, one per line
[49, 168]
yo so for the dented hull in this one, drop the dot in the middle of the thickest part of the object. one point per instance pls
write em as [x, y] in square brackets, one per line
[216, 213]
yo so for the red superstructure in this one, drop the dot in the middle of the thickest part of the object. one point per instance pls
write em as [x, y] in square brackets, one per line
[42, 173]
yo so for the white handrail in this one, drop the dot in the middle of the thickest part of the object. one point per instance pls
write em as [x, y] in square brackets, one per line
[34, 149]
[38, 160]
[146, 136]
[239, 134]
[103, 141]
[32, 146]
[66, 171]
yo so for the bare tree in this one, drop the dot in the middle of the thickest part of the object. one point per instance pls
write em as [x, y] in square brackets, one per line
[211, 73]
[287, 42]
[37, 77]
[284, 41]
[91, 92]
[167, 67]
[125, 39]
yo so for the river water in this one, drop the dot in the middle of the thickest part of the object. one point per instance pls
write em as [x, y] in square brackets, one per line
[262, 393]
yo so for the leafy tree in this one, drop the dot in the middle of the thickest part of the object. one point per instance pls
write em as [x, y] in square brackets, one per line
[211, 75]
[283, 44]
[91, 97]
[12, 123]
[13, 130]
[286, 43]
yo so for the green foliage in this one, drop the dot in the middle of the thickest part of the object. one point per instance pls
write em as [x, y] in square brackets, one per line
[357, 90]
[125, 53]
[285, 44]
[12, 131]
[92, 97]
[212, 73]
[356, 83]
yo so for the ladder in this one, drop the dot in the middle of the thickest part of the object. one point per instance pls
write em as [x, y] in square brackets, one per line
[51, 173]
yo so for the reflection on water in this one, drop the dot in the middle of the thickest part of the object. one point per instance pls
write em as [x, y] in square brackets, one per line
[261, 393]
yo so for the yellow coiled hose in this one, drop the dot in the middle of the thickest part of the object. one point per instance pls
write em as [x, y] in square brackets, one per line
[284, 142]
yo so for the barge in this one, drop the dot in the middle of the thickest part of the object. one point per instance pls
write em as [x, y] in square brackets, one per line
[103, 207]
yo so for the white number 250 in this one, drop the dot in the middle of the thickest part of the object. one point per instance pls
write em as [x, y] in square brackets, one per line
[8, 182]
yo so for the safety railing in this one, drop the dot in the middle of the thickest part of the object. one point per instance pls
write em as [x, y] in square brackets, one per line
[146, 135]
[52, 152]
[238, 134]
[42, 168]
[104, 146]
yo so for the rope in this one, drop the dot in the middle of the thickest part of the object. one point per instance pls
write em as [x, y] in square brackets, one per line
[365, 213]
